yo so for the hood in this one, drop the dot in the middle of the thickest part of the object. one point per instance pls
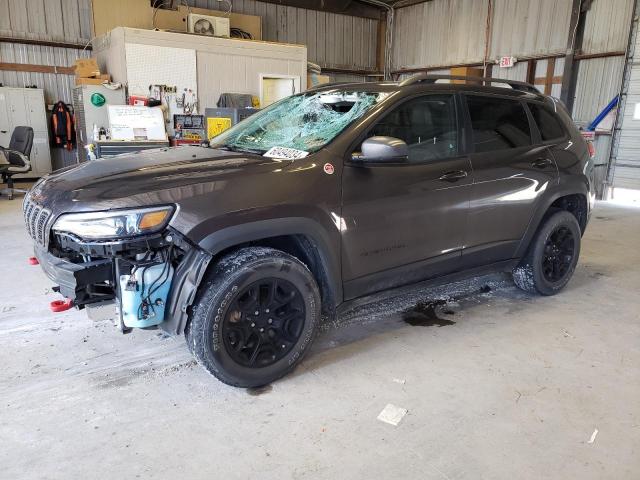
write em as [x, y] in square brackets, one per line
[151, 177]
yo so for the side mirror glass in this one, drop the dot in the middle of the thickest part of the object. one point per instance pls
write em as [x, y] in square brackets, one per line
[383, 149]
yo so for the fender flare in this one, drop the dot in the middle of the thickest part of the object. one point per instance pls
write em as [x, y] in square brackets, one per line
[325, 246]
[541, 211]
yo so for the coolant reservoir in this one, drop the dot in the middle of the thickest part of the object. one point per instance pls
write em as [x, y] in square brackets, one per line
[143, 295]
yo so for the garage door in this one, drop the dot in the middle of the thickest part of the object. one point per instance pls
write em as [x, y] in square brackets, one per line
[626, 173]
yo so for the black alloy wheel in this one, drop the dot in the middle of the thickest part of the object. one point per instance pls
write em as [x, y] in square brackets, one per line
[254, 317]
[264, 322]
[558, 254]
[552, 255]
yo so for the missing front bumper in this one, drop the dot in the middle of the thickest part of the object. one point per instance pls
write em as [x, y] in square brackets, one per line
[84, 283]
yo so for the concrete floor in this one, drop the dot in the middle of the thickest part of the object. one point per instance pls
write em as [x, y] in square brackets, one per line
[513, 389]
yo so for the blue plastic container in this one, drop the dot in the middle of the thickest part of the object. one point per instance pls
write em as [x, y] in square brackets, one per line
[138, 311]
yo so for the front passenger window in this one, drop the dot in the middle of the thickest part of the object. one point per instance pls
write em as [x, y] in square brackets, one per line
[426, 124]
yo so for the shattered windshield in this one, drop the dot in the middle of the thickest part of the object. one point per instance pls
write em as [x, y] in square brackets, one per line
[304, 122]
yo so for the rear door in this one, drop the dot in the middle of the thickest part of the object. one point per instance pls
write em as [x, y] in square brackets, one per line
[406, 221]
[512, 169]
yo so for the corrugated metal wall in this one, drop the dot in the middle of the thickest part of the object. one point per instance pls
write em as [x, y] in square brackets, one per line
[332, 40]
[607, 26]
[450, 32]
[440, 32]
[528, 28]
[599, 79]
[626, 163]
[49, 20]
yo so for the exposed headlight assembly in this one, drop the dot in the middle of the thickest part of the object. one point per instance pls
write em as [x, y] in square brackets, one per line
[114, 224]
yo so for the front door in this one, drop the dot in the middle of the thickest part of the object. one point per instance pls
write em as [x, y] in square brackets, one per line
[512, 169]
[404, 222]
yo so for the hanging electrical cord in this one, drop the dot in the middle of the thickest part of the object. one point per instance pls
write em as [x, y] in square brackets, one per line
[147, 300]
[239, 33]
[228, 2]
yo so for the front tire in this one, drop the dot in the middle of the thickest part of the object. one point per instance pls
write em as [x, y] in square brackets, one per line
[552, 256]
[255, 317]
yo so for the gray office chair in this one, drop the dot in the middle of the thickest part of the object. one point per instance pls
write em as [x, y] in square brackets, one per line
[17, 155]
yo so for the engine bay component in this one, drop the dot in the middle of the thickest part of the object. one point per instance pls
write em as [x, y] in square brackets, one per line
[143, 295]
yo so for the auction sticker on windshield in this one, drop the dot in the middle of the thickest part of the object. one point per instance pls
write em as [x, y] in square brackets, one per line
[285, 153]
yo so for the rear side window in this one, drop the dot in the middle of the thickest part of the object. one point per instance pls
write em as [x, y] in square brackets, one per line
[548, 124]
[498, 124]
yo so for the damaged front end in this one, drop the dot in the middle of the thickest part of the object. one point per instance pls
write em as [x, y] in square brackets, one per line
[129, 257]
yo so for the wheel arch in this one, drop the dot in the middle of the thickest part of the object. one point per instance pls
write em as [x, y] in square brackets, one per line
[300, 237]
[574, 201]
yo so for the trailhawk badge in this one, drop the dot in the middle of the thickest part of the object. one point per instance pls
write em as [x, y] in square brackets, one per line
[328, 169]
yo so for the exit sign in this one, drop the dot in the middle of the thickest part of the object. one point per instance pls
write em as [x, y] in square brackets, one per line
[507, 62]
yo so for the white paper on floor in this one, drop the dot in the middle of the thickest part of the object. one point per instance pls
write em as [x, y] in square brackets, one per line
[593, 436]
[392, 414]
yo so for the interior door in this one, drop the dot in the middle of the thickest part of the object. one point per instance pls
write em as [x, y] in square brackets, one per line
[17, 108]
[512, 169]
[404, 222]
[34, 101]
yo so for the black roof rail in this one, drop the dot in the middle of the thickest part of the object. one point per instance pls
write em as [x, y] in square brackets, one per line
[330, 84]
[426, 78]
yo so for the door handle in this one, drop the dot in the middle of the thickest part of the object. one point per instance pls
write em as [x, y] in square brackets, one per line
[453, 176]
[3, 131]
[542, 163]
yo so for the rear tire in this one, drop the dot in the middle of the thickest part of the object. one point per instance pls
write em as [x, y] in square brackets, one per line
[255, 317]
[552, 256]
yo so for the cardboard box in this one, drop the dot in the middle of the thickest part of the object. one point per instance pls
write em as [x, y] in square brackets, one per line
[87, 68]
[93, 81]
[467, 72]
[315, 79]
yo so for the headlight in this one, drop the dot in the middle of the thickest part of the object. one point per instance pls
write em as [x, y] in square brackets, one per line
[114, 224]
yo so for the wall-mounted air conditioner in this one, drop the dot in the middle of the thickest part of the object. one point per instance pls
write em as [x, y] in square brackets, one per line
[208, 25]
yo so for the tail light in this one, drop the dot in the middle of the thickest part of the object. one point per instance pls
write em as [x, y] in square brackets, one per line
[592, 148]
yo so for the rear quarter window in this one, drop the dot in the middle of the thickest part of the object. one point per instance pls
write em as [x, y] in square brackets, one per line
[548, 123]
[498, 123]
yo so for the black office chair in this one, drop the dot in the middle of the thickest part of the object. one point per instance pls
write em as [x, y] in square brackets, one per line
[17, 155]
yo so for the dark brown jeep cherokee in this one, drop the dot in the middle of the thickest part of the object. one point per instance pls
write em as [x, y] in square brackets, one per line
[321, 198]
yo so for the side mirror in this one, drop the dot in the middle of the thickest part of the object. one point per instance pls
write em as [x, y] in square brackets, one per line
[383, 149]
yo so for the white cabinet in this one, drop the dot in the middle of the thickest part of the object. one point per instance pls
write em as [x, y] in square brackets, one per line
[25, 106]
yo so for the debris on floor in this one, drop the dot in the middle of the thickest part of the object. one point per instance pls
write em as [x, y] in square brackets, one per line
[401, 381]
[392, 414]
[593, 436]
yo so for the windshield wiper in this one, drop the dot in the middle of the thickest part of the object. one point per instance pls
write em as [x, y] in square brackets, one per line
[233, 148]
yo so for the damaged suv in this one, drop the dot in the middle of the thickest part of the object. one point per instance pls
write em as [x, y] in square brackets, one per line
[324, 197]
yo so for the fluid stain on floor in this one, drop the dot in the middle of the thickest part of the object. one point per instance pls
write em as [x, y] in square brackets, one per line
[424, 314]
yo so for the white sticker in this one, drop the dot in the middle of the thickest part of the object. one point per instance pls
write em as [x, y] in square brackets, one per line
[285, 153]
[636, 113]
